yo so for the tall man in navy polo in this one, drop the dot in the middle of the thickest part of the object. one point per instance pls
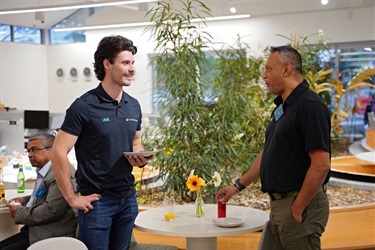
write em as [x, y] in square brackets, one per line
[101, 125]
[295, 163]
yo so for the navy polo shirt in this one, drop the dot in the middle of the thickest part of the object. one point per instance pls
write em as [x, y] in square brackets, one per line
[105, 129]
[304, 126]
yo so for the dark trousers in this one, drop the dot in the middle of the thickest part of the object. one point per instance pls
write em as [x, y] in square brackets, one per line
[18, 241]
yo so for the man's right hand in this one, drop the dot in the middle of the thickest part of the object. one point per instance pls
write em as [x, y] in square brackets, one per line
[20, 200]
[84, 202]
[226, 193]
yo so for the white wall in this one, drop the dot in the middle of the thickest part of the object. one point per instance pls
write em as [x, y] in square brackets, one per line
[28, 72]
[260, 32]
[63, 91]
[23, 76]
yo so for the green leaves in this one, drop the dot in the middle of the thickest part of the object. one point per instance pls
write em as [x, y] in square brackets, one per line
[178, 64]
[215, 108]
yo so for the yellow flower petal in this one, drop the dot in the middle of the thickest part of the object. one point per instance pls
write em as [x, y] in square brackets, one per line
[194, 183]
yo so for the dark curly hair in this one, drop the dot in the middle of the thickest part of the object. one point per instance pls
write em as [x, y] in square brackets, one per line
[108, 48]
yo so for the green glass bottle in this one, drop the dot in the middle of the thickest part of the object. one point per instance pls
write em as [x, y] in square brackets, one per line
[20, 180]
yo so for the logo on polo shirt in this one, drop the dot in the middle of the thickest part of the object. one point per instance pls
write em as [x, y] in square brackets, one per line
[131, 120]
[105, 119]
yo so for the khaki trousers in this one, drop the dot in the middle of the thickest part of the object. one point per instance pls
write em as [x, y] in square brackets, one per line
[292, 235]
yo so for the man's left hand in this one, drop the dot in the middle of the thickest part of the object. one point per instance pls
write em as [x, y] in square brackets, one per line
[296, 213]
[138, 160]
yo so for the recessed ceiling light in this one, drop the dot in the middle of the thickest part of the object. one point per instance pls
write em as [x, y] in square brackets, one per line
[233, 10]
[324, 2]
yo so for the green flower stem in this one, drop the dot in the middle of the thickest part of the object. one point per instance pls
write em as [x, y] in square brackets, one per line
[199, 205]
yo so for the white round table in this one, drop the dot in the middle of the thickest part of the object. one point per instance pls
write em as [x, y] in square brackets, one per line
[366, 156]
[7, 226]
[200, 233]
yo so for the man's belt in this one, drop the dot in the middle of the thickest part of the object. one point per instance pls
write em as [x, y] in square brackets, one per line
[279, 196]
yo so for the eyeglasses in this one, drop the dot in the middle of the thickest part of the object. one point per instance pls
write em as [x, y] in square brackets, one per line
[34, 150]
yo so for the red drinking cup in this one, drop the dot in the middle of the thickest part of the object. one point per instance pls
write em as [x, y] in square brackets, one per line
[221, 209]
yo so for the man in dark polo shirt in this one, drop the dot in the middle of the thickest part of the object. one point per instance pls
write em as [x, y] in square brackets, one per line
[101, 125]
[295, 163]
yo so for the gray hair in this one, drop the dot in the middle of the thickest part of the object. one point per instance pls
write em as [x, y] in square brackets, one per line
[47, 139]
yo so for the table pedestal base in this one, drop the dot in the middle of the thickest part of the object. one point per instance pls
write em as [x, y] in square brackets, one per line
[206, 243]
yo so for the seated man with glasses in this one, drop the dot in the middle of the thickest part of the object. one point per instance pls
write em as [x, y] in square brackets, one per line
[45, 213]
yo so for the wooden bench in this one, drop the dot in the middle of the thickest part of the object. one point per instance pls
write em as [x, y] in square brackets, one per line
[350, 227]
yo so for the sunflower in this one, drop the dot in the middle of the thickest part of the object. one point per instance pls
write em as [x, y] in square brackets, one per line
[194, 183]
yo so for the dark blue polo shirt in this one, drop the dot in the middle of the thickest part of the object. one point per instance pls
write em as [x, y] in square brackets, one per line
[105, 129]
[304, 126]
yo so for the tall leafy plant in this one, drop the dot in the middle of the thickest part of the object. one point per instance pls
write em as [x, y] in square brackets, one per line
[243, 107]
[223, 134]
[182, 142]
[227, 133]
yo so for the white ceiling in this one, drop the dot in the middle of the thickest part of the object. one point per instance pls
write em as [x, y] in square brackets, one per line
[137, 12]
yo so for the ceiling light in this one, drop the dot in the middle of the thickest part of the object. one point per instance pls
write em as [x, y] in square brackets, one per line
[233, 10]
[106, 26]
[124, 25]
[218, 18]
[73, 7]
[324, 2]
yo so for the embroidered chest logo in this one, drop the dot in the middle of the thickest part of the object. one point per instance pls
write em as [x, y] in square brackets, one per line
[105, 119]
[131, 120]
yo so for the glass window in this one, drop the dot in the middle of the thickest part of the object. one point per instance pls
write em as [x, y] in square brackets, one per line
[355, 60]
[328, 60]
[206, 80]
[77, 19]
[67, 37]
[348, 60]
[5, 33]
[27, 35]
